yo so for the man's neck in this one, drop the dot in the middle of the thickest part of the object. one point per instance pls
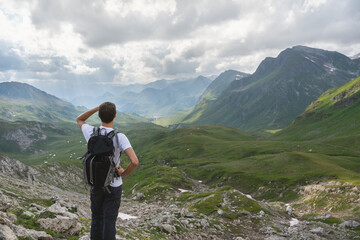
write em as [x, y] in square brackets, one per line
[108, 125]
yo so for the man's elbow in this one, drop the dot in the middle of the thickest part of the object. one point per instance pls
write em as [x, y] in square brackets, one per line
[135, 162]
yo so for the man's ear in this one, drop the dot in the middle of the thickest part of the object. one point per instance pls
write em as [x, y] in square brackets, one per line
[115, 115]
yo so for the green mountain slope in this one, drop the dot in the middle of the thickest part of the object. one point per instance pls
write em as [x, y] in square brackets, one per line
[20, 101]
[279, 90]
[334, 113]
[23, 102]
[212, 92]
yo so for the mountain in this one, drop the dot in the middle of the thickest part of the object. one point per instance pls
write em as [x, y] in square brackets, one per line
[157, 98]
[355, 56]
[334, 114]
[21, 101]
[214, 90]
[280, 89]
[164, 97]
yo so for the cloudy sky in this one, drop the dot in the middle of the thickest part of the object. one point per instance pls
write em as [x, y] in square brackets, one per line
[71, 42]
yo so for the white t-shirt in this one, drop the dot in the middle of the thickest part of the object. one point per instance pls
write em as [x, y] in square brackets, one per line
[124, 144]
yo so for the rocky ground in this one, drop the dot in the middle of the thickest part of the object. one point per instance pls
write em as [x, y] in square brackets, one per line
[33, 208]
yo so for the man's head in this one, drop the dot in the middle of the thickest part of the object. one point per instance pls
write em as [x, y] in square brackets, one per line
[107, 112]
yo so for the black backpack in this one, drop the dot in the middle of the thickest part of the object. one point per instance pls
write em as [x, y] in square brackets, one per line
[98, 161]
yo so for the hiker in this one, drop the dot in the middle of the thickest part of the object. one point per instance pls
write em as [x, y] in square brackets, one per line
[105, 201]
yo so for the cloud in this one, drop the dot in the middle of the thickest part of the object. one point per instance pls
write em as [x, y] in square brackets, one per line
[9, 59]
[179, 66]
[84, 42]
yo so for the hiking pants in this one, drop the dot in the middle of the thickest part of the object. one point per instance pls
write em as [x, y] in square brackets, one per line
[104, 212]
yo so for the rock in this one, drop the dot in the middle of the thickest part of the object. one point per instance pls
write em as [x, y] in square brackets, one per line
[28, 214]
[317, 230]
[261, 213]
[168, 228]
[184, 212]
[204, 223]
[5, 203]
[84, 237]
[328, 214]
[220, 211]
[289, 209]
[350, 223]
[58, 209]
[239, 238]
[61, 224]
[23, 232]
[140, 196]
[36, 206]
[6, 233]
[12, 217]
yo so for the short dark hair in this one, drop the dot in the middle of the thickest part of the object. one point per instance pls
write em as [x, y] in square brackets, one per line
[107, 111]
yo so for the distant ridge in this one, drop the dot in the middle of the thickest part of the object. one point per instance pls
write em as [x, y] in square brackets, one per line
[280, 89]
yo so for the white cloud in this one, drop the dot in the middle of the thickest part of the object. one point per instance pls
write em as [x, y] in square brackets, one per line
[145, 40]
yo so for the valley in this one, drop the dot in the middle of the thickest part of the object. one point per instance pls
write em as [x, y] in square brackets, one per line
[216, 172]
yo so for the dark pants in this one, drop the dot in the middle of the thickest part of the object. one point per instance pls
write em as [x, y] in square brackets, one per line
[104, 212]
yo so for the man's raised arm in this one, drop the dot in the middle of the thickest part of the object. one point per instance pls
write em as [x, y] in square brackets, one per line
[84, 116]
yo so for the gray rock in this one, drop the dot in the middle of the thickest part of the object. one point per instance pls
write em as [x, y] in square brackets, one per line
[261, 213]
[328, 214]
[184, 212]
[168, 228]
[61, 224]
[84, 237]
[12, 217]
[140, 196]
[23, 232]
[317, 230]
[28, 214]
[350, 223]
[6, 233]
[239, 238]
[289, 209]
[204, 223]
[220, 211]
[58, 209]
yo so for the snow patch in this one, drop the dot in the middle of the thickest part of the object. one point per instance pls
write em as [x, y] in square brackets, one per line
[183, 190]
[124, 216]
[294, 222]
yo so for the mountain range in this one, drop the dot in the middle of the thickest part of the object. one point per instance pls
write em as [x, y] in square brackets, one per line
[280, 89]
[157, 98]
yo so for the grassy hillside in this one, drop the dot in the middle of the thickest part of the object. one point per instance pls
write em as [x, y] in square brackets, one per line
[334, 113]
[224, 156]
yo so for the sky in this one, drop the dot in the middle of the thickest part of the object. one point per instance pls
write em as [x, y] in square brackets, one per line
[75, 43]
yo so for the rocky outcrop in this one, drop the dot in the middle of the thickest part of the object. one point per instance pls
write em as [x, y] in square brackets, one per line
[16, 169]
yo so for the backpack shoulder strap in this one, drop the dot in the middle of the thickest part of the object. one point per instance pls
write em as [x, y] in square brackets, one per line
[96, 131]
[114, 133]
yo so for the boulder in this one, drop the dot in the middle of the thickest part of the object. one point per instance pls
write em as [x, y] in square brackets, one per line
[58, 209]
[317, 230]
[61, 224]
[168, 228]
[6, 233]
[204, 223]
[140, 196]
[30, 233]
[350, 223]
[184, 212]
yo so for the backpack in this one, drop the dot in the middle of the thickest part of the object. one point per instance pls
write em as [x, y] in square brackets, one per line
[98, 161]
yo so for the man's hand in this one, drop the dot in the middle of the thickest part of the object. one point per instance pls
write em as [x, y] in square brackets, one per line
[120, 170]
[82, 117]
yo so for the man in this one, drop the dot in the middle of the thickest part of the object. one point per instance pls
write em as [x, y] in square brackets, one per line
[105, 205]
